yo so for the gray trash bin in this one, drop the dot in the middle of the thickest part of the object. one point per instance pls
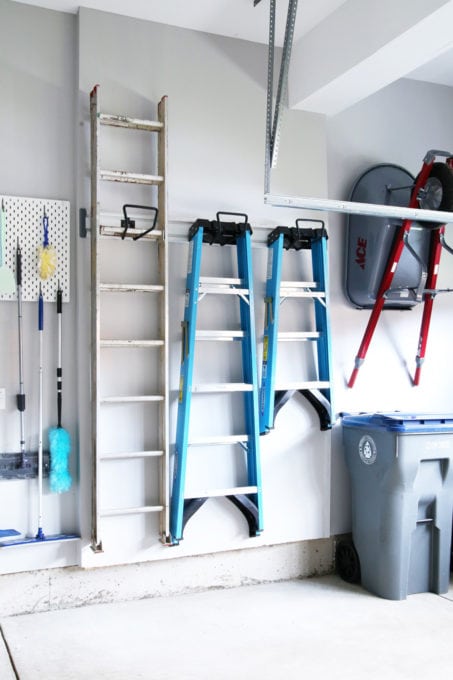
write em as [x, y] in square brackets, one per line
[401, 473]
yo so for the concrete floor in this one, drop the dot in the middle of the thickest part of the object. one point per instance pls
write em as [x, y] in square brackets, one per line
[312, 628]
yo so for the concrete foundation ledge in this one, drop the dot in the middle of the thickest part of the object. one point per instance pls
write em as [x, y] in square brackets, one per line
[53, 589]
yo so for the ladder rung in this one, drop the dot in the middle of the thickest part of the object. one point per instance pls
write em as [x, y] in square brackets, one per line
[130, 288]
[223, 387]
[212, 441]
[303, 385]
[215, 493]
[131, 454]
[219, 335]
[132, 343]
[298, 284]
[113, 512]
[293, 293]
[131, 123]
[130, 177]
[221, 280]
[111, 231]
[120, 400]
[289, 336]
[221, 289]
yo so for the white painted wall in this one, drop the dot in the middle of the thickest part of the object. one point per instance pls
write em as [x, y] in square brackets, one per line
[397, 125]
[216, 91]
[37, 119]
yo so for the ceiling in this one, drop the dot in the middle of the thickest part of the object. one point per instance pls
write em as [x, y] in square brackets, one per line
[231, 18]
[343, 50]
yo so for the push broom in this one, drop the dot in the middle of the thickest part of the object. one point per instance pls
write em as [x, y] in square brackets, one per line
[60, 441]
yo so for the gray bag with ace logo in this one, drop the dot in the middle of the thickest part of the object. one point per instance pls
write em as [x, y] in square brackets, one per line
[370, 239]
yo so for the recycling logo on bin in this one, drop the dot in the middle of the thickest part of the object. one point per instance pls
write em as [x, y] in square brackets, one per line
[367, 450]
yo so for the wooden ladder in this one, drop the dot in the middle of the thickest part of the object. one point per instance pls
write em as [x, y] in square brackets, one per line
[109, 409]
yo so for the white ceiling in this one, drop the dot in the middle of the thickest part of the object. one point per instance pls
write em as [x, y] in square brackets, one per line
[344, 50]
[232, 18]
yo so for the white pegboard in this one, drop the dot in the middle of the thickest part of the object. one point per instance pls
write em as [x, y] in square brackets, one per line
[24, 221]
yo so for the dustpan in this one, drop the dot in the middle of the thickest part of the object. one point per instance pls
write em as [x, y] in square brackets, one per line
[7, 282]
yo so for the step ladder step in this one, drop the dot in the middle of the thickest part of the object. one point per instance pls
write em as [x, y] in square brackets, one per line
[138, 398]
[298, 284]
[143, 509]
[218, 493]
[130, 288]
[298, 293]
[302, 385]
[107, 231]
[219, 335]
[221, 289]
[132, 343]
[127, 455]
[219, 440]
[130, 177]
[292, 336]
[131, 123]
[222, 387]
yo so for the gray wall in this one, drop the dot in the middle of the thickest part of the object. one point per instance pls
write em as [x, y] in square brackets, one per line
[216, 91]
[37, 119]
[397, 125]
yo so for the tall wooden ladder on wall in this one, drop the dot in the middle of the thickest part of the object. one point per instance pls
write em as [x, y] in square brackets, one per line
[245, 493]
[316, 388]
[150, 448]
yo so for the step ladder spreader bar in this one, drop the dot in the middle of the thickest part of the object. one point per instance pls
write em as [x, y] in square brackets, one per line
[318, 392]
[247, 498]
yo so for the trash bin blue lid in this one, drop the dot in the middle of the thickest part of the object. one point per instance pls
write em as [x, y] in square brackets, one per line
[401, 422]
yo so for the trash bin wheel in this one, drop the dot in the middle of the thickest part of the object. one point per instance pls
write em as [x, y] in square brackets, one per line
[347, 562]
[437, 194]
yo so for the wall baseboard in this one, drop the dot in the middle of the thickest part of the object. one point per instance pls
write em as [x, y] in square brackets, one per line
[53, 589]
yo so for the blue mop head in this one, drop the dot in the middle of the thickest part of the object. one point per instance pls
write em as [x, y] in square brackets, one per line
[60, 448]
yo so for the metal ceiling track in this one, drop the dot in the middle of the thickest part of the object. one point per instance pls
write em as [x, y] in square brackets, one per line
[273, 126]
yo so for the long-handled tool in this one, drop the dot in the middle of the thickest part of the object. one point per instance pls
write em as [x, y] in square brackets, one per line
[7, 283]
[21, 396]
[40, 535]
[60, 441]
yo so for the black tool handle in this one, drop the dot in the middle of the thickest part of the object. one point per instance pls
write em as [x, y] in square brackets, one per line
[18, 265]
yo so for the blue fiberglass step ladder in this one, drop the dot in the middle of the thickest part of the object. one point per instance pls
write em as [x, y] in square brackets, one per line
[248, 498]
[318, 392]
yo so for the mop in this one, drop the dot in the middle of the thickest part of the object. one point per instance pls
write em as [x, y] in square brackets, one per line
[40, 535]
[7, 283]
[47, 255]
[60, 441]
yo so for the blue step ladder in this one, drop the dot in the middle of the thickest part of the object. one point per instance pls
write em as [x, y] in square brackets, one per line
[248, 498]
[273, 395]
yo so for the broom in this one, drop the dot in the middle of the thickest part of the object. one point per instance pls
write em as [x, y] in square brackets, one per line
[59, 439]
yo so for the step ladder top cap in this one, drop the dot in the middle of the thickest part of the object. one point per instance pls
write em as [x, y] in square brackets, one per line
[219, 232]
[297, 238]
